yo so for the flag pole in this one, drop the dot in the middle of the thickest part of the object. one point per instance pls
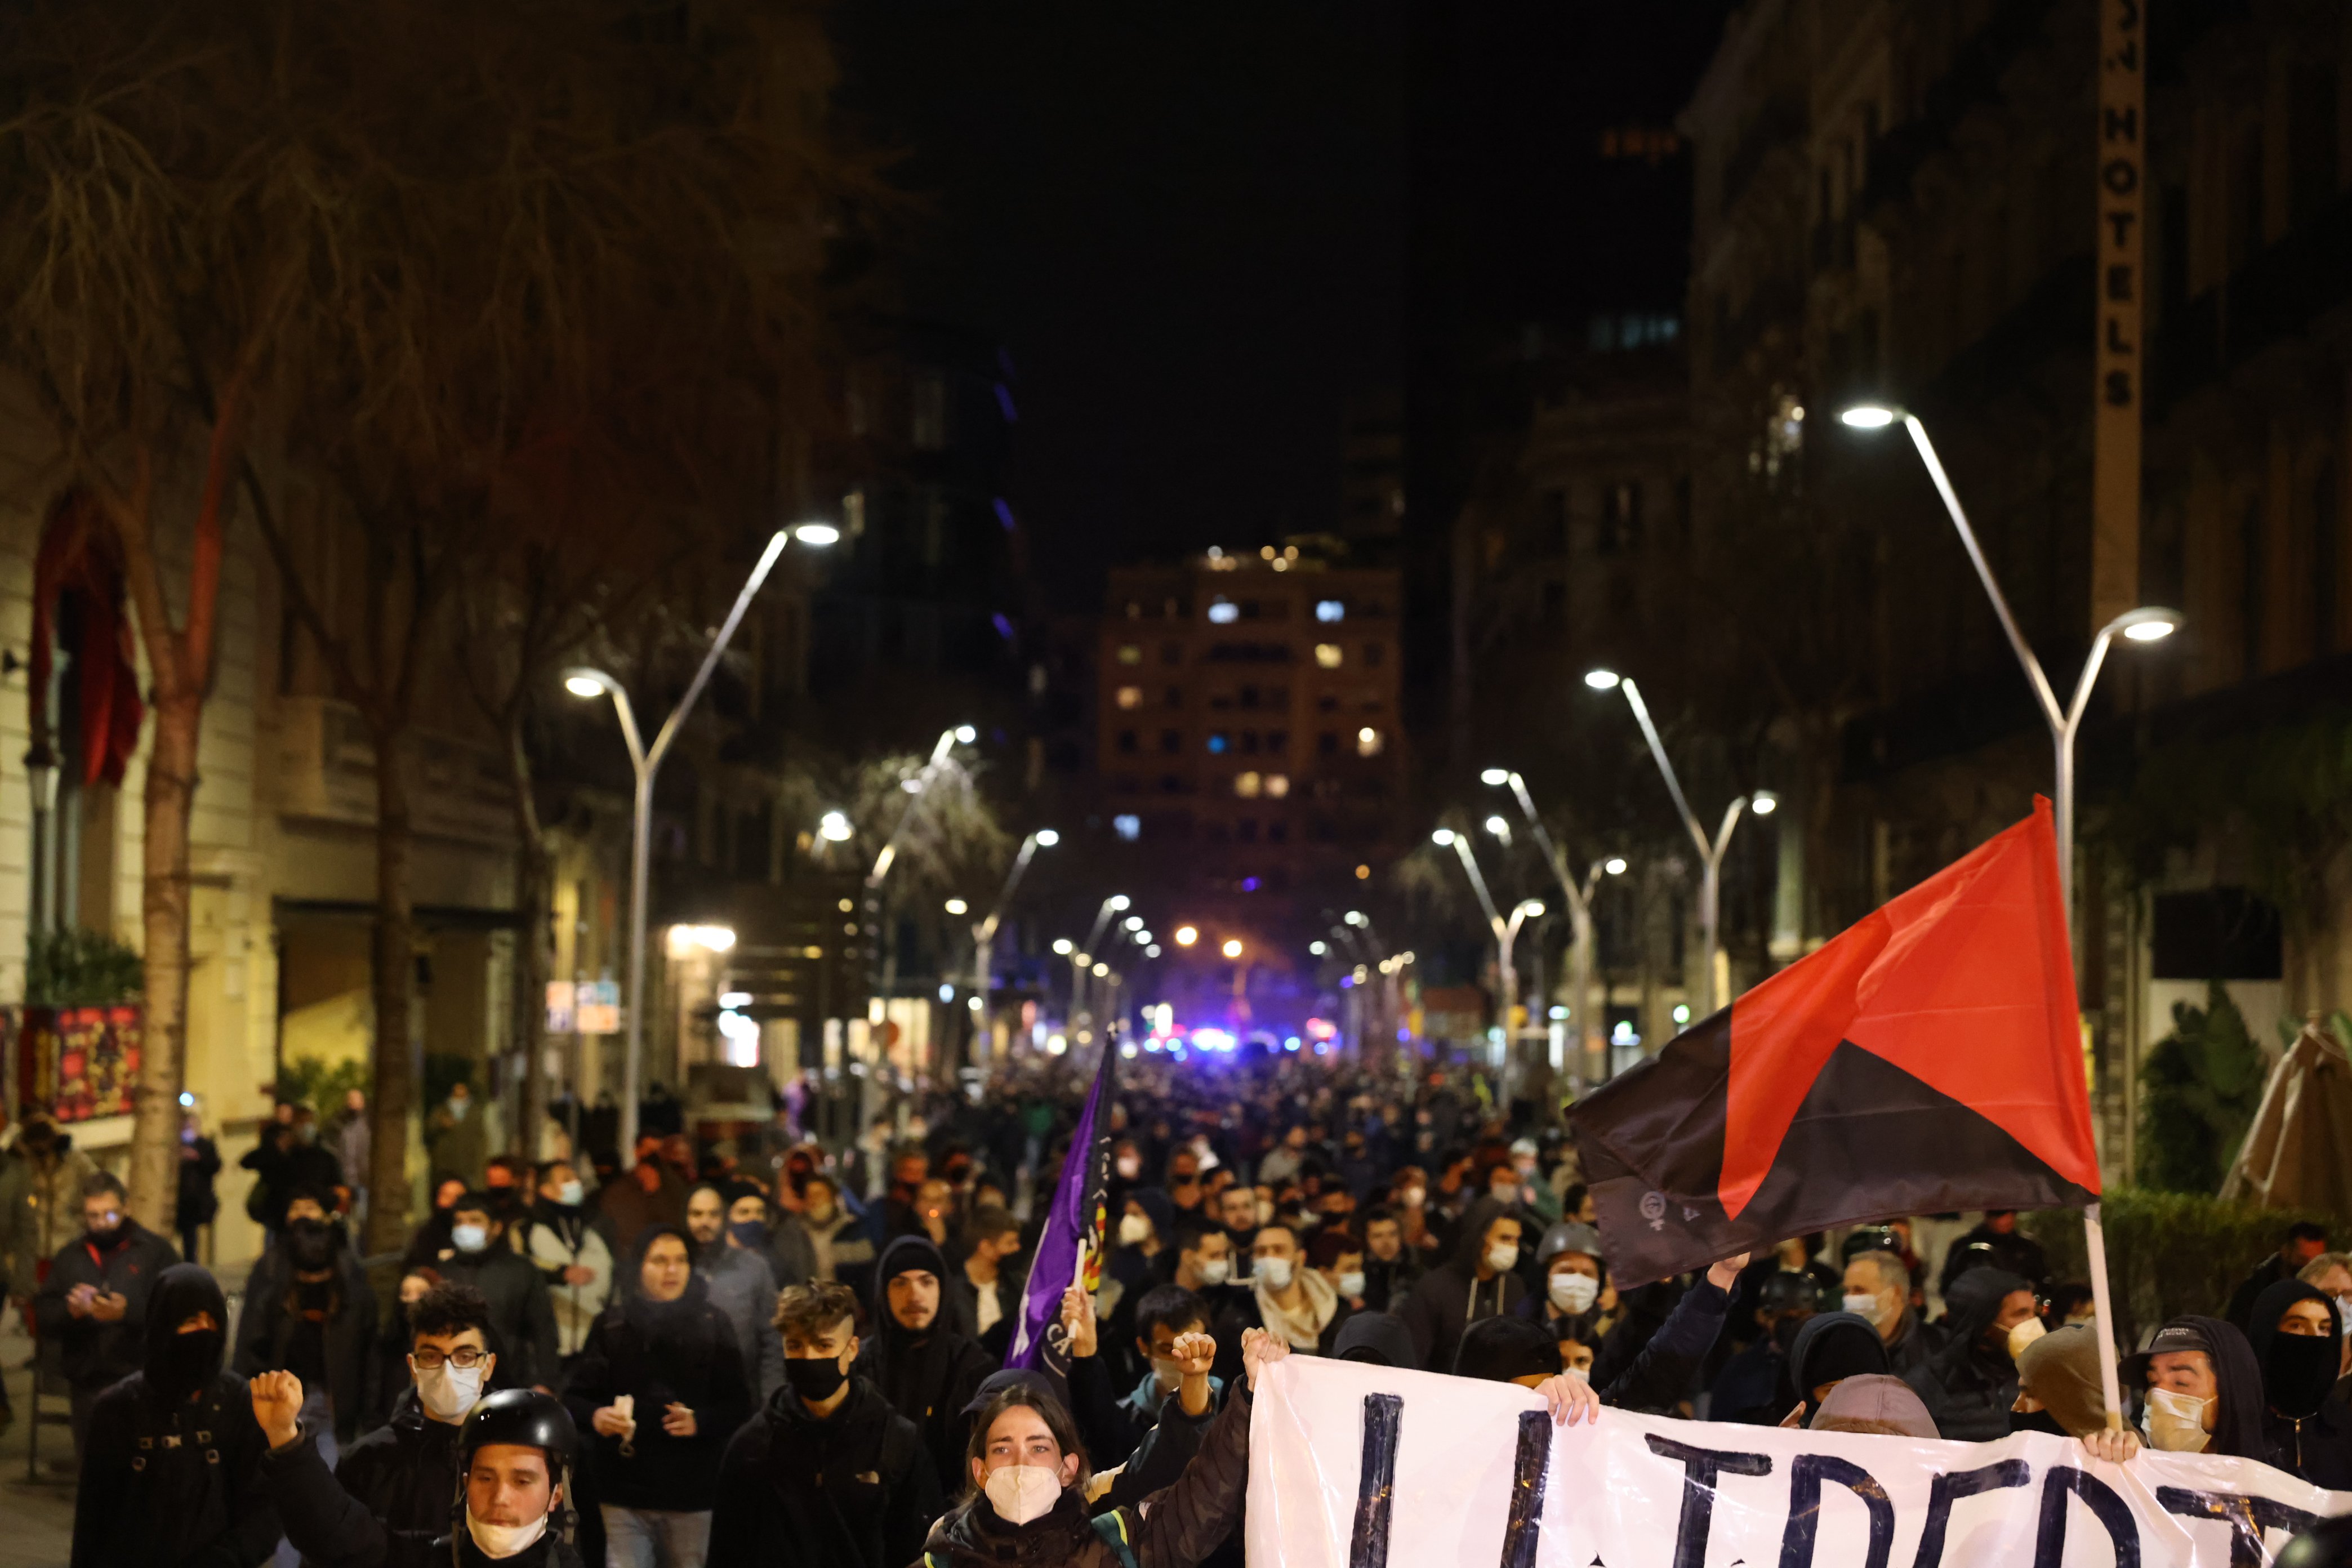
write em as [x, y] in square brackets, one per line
[2095, 1238]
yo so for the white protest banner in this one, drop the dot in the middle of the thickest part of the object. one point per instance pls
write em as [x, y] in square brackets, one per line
[1357, 1467]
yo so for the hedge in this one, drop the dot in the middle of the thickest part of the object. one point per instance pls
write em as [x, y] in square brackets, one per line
[2167, 1253]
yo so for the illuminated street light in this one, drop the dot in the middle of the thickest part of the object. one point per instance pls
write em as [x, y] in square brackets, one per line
[582, 685]
[1132, 923]
[1187, 935]
[1047, 837]
[1763, 802]
[1318, 948]
[834, 827]
[956, 906]
[1064, 946]
[1100, 970]
[1495, 776]
[1601, 679]
[1441, 837]
[1614, 865]
[818, 534]
[1118, 901]
[1869, 416]
[1232, 948]
[966, 735]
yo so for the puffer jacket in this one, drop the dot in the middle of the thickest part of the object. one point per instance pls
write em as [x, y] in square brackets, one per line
[1173, 1528]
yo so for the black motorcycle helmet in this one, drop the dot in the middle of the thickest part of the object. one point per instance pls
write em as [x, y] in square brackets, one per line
[528, 1419]
[1787, 1291]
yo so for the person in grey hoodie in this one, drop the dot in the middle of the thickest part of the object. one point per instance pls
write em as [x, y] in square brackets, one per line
[735, 1268]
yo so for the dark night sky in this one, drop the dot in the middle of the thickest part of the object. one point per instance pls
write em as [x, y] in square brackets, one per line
[1189, 225]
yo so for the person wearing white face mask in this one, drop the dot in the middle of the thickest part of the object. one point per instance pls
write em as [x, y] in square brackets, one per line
[2203, 1390]
[1629, 1368]
[1878, 1287]
[1029, 1473]
[403, 1474]
[1291, 1299]
[572, 1254]
[522, 1315]
[1479, 1281]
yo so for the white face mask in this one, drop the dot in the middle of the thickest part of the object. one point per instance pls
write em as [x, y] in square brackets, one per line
[1130, 1167]
[2175, 1422]
[1352, 1285]
[1864, 1307]
[1134, 1230]
[1167, 1371]
[449, 1392]
[469, 1237]
[1414, 1196]
[2024, 1334]
[1573, 1292]
[2344, 1312]
[569, 1194]
[1274, 1271]
[1501, 1258]
[1214, 1271]
[1020, 1493]
[1581, 1373]
[504, 1540]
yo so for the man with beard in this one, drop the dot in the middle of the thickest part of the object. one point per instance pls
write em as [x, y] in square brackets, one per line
[662, 1387]
[1971, 1386]
[309, 1311]
[926, 1370]
[172, 1455]
[1391, 1271]
[734, 1268]
[94, 1306]
[828, 1476]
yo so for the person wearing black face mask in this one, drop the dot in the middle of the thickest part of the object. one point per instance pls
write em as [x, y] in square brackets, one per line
[310, 1312]
[172, 1461]
[94, 1306]
[828, 1476]
[2297, 1335]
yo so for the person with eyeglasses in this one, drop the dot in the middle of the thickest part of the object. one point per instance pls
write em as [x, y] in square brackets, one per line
[389, 1498]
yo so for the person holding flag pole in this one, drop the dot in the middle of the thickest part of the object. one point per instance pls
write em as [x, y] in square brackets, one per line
[1070, 1248]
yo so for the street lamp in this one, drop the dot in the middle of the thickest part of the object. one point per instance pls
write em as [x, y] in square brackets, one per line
[1187, 935]
[2148, 625]
[1590, 1042]
[646, 761]
[1717, 967]
[983, 933]
[1232, 948]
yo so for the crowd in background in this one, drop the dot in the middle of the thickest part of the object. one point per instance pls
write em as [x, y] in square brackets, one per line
[758, 1349]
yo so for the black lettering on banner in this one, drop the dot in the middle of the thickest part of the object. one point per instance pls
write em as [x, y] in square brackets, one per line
[2115, 345]
[2247, 1517]
[1949, 1488]
[2121, 223]
[2119, 282]
[1534, 1457]
[1376, 1490]
[2119, 389]
[2120, 124]
[2120, 175]
[1701, 1469]
[2129, 17]
[2050, 1536]
[1805, 1479]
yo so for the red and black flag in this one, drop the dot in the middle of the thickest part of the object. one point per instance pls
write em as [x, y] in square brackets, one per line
[1928, 1059]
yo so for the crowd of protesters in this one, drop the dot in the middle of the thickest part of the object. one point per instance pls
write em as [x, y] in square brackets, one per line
[765, 1351]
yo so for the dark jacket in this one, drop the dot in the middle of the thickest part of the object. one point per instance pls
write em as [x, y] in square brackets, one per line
[2238, 1424]
[1387, 1286]
[661, 1352]
[197, 1202]
[280, 1173]
[963, 1305]
[90, 1353]
[1915, 1346]
[853, 1490]
[523, 1316]
[1653, 1375]
[929, 1377]
[1173, 1528]
[338, 1317]
[2309, 1430]
[332, 1529]
[1968, 1386]
[404, 1474]
[1451, 1297]
[2269, 1271]
[171, 1468]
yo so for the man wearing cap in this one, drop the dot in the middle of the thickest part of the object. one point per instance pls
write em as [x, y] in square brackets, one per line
[2204, 1390]
[514, 1452]
[827, 1476]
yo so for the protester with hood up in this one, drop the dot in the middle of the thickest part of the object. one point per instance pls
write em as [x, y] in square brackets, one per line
[1995, 1243]
[2059, 1392]
[510, 1502]
[1754, 1386]
[1026, 1476]
[663, 1386]
[1829, 1348]
[1477, 1282]
[736, 1273]
[827, 1476]
[172, 1455]
[94, 1306]
[924, 1368]
[523, 1316]
[1508, 1350]
[1970, 1385]
[310, 1312]
[1875, 1403]
[1377, 1339]
[2296, 1335]
[2204, 1390]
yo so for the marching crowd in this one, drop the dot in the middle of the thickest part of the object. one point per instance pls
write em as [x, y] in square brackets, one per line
[768, 1351]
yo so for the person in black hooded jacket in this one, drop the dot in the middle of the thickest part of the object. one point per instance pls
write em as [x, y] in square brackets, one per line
[170, 1471]
[828, 1476]
[2295, 1332]
[926, 1370]
[1971, 1386]
[671, 1355]
[309, 1311]
[1477, 1282]
[1829, 1347]
[2202, 1390]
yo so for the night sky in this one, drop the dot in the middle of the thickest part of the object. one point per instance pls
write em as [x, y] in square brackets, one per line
[1191, 226]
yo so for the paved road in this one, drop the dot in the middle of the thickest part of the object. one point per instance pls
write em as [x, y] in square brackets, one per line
[39, 1530]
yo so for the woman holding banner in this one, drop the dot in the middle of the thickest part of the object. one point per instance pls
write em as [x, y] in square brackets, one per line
[1028, 1477]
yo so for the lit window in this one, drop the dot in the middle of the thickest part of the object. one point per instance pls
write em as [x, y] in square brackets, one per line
[1224, 611]
[1217, 744]
[1128, 827]
[1330, 610]
[1246, 785]
[1277, 785]
[1367, 742]
[1130, 653]
[1327, 654]
[1130, 697]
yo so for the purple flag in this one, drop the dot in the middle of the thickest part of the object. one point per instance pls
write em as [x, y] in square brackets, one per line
[1075, 1219]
